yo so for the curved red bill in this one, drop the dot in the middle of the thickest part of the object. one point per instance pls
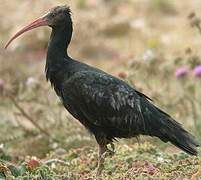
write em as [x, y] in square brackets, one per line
[42, 21]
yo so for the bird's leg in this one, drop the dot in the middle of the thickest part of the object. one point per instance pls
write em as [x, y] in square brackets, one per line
[101, 158]
[103, 152]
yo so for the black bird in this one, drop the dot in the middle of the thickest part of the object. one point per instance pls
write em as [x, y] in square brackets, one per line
[107, 106]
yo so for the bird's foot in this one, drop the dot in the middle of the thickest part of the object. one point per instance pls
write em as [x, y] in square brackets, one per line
[101, 164]
[100, 167]
[104, 151]
[99, 170]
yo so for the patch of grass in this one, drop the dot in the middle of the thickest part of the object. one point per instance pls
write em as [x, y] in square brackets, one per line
[133, 161]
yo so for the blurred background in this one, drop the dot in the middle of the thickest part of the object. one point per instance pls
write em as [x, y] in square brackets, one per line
[152, 44]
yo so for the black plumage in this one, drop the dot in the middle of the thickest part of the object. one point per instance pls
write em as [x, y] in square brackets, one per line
[107, 106]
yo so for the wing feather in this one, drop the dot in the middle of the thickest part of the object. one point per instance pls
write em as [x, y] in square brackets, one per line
[105, 101]
[101, 100]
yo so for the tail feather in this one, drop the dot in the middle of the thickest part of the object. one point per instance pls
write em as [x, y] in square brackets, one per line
[175, 134]
[161, 125]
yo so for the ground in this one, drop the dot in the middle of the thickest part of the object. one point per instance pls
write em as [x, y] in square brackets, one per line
[143, 42]
[139, 161]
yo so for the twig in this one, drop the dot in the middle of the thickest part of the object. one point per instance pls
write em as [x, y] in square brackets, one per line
[58, 161]
[7, 163]
[26, 115]
[9, 139]
[198, 27]
[195, 21]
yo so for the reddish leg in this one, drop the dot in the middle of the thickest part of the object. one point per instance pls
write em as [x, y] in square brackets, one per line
[103, 152]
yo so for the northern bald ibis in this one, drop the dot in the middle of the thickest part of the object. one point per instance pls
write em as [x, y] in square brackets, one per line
[107, 106]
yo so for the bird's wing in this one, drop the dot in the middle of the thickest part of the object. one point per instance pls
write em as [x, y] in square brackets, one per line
[104, 101]
[109, 103]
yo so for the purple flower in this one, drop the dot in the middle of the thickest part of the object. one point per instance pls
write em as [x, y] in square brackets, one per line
[1, 84]
[181, 72]
[197, 71]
